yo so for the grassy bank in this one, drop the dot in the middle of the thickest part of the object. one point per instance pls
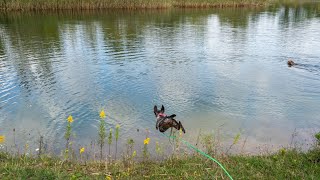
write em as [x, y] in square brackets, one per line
[123, 4]
[98, 162]
[286, 164]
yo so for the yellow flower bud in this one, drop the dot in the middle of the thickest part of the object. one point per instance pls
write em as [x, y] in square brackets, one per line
[82, 150]
[102, 114]
[70, 119]
[146, 141]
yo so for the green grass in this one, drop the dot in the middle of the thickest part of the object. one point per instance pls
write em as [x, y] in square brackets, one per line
[286, 164]
[123, 4]
[290, 163]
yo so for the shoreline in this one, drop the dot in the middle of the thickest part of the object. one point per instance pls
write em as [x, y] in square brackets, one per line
[20, 5]
[285, 164]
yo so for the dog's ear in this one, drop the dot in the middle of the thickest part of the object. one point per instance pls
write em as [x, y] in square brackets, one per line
[162, 109]
[155, 110]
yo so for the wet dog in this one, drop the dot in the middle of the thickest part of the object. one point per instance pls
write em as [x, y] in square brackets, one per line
[165, 122]
[291, 63]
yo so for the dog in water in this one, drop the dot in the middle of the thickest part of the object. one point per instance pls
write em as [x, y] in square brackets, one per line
[165, 122]
[291, 63]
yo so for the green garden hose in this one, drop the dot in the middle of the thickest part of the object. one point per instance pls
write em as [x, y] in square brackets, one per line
[202, 153]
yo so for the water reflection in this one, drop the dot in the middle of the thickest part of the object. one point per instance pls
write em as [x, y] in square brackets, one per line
[210, 67]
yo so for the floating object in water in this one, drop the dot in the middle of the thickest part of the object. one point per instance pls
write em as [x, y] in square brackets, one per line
[291, 63]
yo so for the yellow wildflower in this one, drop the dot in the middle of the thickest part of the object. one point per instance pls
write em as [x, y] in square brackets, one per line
[117, 126]
[102, 114]
[2, 139]
[70, 119]
[146, 141]
[82, 150]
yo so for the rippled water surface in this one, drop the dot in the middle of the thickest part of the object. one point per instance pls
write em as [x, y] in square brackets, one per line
[216, 69]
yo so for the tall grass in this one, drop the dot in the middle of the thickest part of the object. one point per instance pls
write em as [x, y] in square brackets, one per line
[110, 142]
[117, 138]
[219, 3]
[287, 163]
[82, 4]
[123, 4]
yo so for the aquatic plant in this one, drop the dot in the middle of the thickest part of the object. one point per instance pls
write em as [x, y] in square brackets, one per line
[68, 135]
[235, 141]
[117, 137]
[110, 140]
[102, 132]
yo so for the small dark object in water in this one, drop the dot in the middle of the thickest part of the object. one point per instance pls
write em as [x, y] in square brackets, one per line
[291, 63]
[165, 122]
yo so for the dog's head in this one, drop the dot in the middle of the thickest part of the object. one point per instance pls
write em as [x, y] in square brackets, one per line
[159, 113]
[290, 63]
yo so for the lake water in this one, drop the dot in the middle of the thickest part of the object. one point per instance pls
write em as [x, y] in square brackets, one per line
[215, 69]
